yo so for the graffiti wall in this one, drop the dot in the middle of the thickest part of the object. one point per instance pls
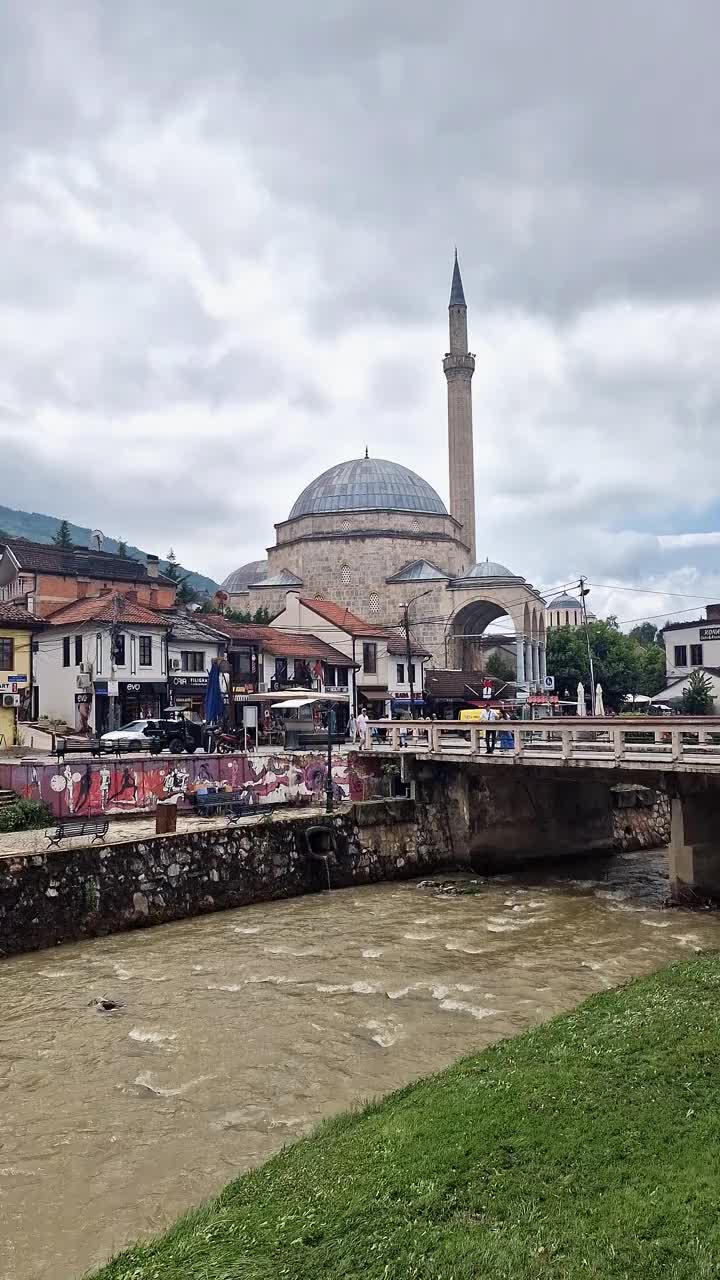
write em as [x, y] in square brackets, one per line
[121, 786]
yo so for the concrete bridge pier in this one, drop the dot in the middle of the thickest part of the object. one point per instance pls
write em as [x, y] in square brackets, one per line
[695, 841]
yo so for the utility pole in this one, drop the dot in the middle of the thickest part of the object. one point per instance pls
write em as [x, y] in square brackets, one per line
[584, 591]
[408, 647]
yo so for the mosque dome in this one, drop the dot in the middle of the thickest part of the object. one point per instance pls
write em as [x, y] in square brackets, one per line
[490, 569]
[565, 602]
[240, 579]
[368, 484]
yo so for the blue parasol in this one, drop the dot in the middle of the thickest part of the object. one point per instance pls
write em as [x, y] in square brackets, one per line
[213, 695]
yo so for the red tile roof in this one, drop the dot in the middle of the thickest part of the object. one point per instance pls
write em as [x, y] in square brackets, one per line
[16, 615]
[112, 607]
[342, 618]
[282, 644]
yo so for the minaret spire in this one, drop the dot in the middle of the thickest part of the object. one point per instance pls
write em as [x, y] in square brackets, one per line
[459, 367]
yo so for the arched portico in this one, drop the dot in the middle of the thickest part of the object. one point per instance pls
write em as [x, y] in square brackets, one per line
[466, 628]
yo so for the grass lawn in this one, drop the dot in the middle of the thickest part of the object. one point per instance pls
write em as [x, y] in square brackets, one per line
[589, 1147]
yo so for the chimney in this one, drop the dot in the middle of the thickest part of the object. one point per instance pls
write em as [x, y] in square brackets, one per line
[152, 566]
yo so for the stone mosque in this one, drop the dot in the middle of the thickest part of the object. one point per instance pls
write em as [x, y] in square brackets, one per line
[371, 535]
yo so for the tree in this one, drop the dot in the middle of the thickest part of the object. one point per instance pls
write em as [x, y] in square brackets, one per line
[122, 550]
[616, 660]
[172, 568]
[652, 669]
[61, 537]
[262, 615]
[500, 667]
[698, 700]
[646, 634]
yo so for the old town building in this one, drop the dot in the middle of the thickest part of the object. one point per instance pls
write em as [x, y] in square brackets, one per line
[47, 577]
[18, 628]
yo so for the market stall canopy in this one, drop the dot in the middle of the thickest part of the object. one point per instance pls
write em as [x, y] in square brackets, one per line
[293, 702]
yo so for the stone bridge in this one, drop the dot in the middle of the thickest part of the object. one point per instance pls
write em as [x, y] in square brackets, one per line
[546, 788]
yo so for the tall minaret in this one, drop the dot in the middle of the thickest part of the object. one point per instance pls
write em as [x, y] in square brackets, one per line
[459, 366]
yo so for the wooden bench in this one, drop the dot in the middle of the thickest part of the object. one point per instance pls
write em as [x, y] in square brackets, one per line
[66, 828]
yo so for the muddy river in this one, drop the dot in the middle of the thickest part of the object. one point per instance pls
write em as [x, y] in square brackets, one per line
[239, 1031]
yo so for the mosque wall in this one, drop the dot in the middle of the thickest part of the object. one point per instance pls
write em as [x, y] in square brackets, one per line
[409, 522]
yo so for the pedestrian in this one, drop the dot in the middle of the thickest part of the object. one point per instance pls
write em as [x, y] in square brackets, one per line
[489, 714]
[352, 727]
[506, 738]
[361, 725]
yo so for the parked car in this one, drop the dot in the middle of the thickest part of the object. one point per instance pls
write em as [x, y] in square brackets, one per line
[174, 735]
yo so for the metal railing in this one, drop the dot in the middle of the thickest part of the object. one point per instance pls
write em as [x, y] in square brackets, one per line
[691, 740]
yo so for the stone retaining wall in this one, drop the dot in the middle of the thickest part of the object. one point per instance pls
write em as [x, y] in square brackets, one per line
[57, 897]
[641, 818]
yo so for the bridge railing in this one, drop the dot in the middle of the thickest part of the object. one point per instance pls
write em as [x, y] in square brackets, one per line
[610, 740]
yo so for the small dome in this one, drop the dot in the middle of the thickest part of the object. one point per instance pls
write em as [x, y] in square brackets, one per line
[240, 579]
[368, 484]
[565, 602]
[489, 569]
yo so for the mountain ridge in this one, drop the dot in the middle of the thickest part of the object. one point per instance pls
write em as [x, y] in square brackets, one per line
[38, 527]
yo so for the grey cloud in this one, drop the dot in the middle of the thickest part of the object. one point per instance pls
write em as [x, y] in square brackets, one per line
[156, 155]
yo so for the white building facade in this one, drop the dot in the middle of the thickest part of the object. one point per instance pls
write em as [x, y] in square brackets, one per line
[692, 645]
[102, 662]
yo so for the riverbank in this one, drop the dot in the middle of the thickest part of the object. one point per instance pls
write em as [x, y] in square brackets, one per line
[586, 1147]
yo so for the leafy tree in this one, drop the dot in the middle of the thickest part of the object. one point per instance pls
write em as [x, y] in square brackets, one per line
[61, 537]
[697, 700]
[122, 550]
[645, 634]
[262, 615]
[652, 669]
[500, 667]
[616, 659]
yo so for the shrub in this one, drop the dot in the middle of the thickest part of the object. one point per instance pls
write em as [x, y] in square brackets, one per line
[21, 815]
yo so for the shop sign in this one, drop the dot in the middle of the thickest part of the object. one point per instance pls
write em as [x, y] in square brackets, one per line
[184, 682]
[83, 699]
[17, 679]
[706, 633]
[129, 688]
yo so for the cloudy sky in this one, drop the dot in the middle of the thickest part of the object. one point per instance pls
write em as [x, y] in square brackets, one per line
[227, 244]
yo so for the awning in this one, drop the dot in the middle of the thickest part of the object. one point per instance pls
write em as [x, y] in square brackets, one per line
[293, 702]
[374, 695]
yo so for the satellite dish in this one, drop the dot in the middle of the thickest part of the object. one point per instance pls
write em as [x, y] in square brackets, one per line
[97, 537]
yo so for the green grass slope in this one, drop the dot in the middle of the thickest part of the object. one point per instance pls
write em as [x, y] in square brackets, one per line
[587, 1148]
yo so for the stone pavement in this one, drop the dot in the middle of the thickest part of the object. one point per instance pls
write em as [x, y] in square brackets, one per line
[23, 843]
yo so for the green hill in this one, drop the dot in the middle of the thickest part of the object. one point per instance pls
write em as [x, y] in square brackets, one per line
[41, 528]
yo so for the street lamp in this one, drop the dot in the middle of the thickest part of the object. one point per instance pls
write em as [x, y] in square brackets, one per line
[408, 648]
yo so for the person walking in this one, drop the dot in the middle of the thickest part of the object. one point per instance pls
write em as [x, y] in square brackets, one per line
[361, 725]
[352, 727]
[489, 714]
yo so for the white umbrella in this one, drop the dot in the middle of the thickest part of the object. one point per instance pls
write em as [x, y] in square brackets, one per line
[581, 700]
[599, 704]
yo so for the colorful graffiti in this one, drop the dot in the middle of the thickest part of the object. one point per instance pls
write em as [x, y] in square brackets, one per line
[104, 786]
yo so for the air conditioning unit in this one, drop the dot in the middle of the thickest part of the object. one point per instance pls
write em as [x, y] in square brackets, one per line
[175, 664]
[11, 699]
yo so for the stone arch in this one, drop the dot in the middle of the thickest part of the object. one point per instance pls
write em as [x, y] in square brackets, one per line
[466, 627]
